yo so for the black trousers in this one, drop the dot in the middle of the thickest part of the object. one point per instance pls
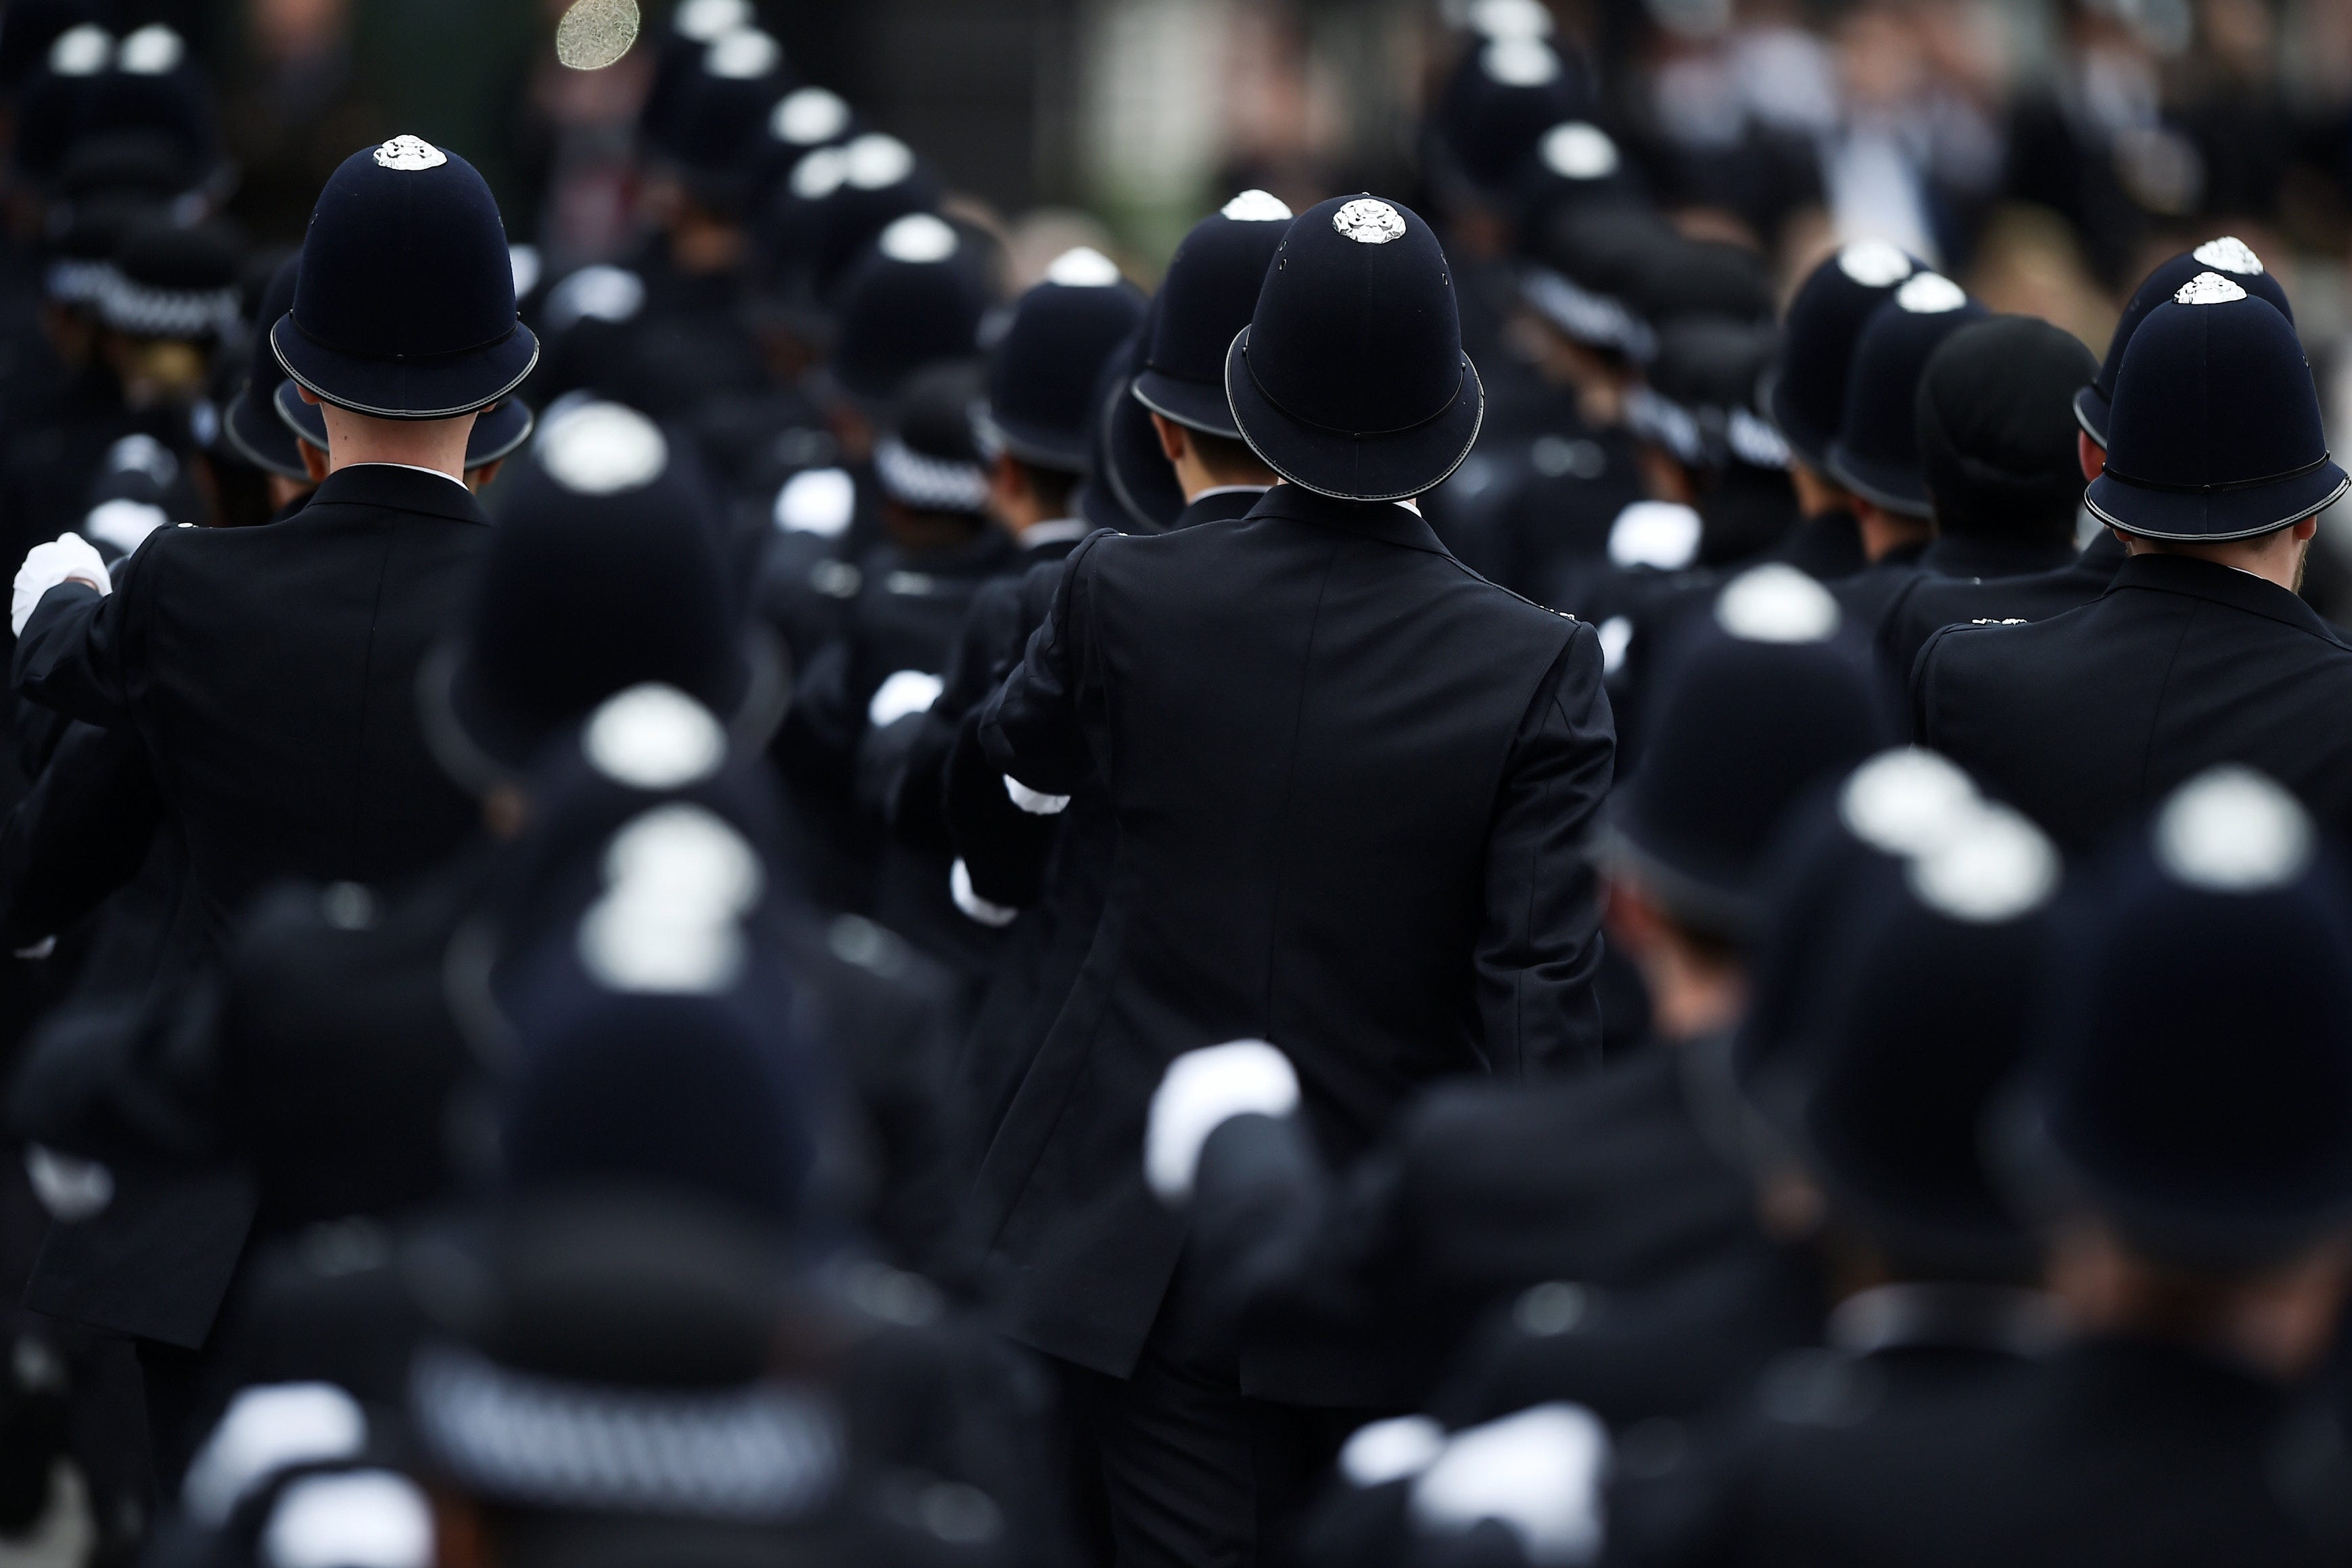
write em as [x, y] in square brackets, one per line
[1173, 1467]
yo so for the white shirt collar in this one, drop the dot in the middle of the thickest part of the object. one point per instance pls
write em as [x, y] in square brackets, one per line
[1055, 532]
[1228, 490]
[413, 468]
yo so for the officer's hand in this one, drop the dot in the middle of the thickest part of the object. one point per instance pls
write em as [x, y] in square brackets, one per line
[1202, 1091]
[69, 557]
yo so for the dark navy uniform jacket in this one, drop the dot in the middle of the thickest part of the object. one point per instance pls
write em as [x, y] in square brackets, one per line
[2087, 720]
[1972, 590]
[271, 673]
[1351, 781]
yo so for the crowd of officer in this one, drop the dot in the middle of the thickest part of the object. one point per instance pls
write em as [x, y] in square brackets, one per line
[1465, 889]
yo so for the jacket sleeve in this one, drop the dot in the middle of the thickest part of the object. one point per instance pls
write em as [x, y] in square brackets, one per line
[1539, 945]
[1030, 726]
[70, 657]
[1924, 730]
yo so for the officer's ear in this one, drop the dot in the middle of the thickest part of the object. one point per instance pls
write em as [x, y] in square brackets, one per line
[2091, 456]
[480, 479]
[314, 461]
[1172, 444]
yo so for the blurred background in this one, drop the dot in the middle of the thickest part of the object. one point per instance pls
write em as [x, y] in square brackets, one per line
[2043, 151]
[2040, 150]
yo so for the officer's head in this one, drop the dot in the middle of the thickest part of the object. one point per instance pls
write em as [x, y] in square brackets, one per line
[704, 141]
[403, 321]
[1807, 383]
[1131, 481]
[927, 462]
[604, 573]
[1582, 285]
[1836, 844]
[1704, 441]
[164, 305]
[1208, 296]
[2216, 445]
[1041, 377]
[1996, 430]
[1876, 455]
[1755, 708]
[1933, 964]
[2186, 1122]
[1349, 380]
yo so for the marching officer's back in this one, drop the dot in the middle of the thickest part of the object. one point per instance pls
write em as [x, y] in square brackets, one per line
[271, 671]
[1351, 779]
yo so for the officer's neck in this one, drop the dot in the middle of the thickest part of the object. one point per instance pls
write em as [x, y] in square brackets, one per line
[2279, 1321]
[1884, 532]
[2274, 557]
[439, 445]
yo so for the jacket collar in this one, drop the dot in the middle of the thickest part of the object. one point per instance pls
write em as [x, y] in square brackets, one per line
[2196, 579]
[1219, 506]
[1383, 520]
[1957, 555]
[400, 489]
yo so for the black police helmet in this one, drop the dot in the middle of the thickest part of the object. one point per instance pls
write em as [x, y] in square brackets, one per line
[1586, 275]
[710, 136]
[2193, 1076]
[173, 281]
[1877, 453]
[1698, 396]
[2228, 256]
[1919, 1025]
[1895, 806]
[604, 573]
[1042, 371]
[929, 458]
[498, 429]
[2216, 431]
[916, 297]
[1351, 380]
[1807, 392]
[1755, 709]
[1207, 296]
[405, 307]
[254, 429]
[1130, 486]
[1503, 96]
[1996, 442]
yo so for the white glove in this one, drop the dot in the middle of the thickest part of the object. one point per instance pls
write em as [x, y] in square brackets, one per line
[70, 1189]
[1202, 1091]
[906, 692]
[45, 566]
[1036, 802]
[975, 907]
[1538, 1474]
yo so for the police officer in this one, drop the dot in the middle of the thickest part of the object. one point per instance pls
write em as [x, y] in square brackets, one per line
[1807, 390]
[2199, 652]
[271, 671]
[1928, 604]
[1354, 334]
[1876, 453]
[1998, 454]
[1038, 411]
